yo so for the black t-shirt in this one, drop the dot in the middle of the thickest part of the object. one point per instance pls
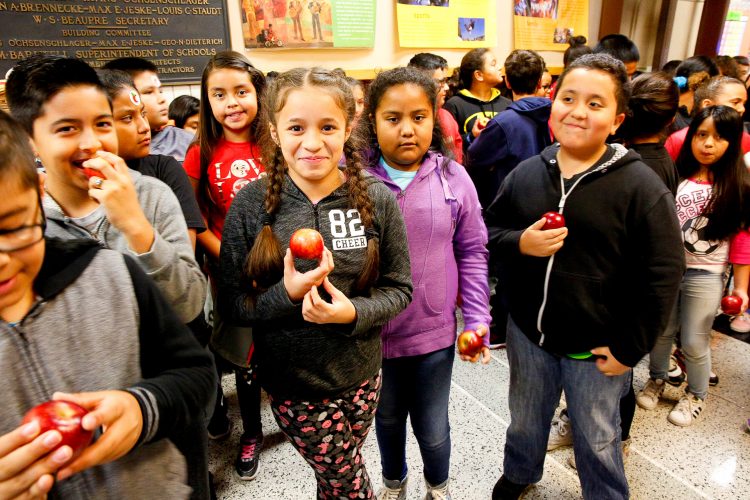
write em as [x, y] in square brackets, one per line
[170, 172]
[656, 156]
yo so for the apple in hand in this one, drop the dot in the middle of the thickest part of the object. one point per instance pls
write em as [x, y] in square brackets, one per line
[731, 305]
[482, 122]
[90, 172]
[555, 220]
[306, 244]
[469, 343]
[64, 417]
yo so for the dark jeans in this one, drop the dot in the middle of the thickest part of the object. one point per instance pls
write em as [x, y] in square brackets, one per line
[418, 386]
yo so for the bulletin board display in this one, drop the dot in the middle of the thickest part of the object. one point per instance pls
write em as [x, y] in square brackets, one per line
[548, 24]
[308, 24]
[446, 23]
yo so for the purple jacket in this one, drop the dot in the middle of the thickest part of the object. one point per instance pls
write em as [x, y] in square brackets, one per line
[446, 235]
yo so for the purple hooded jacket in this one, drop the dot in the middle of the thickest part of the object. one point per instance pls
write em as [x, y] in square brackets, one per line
[448, 252]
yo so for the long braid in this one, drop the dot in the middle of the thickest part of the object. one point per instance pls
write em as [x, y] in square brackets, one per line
[360, 198]
[264, 265]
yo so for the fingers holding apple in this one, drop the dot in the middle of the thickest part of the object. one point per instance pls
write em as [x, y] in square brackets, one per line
[28, 458]
[297, 284]
[539, 242]
[732, 305]
[119, 415]
[471, 345]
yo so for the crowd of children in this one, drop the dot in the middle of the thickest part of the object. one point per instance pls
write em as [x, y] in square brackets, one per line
[427, 203]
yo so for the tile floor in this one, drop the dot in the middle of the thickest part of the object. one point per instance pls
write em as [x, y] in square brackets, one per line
[710, 459]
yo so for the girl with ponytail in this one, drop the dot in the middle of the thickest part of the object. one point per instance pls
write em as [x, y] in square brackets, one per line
[316, 324]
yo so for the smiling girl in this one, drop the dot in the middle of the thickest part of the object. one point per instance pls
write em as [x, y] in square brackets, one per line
[316, 324]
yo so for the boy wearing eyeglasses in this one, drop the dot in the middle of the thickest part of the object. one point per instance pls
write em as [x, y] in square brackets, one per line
[85, 324]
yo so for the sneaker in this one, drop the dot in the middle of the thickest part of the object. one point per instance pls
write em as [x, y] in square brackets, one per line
[560, 434]
[219, 427]
[393, 489]
[740, 324]
[625, 454]
[713, 379]
[507, 490]
[686, 410]
[248, 457]
[439, 492]
[676, 373]
[649, 396]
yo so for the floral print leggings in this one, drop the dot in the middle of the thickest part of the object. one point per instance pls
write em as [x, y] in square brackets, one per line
[329, 435]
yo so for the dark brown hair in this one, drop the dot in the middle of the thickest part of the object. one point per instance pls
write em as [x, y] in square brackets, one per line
[210, 131]
[608, 64]
[16, 159]
[654, 100]
[265, 262]
[472, 61]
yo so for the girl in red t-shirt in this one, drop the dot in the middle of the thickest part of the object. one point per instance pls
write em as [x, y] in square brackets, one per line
[224, 159]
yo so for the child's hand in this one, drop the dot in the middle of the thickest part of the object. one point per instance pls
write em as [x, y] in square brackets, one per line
[117, 195]
[538, 243]
[479, 124]
[26, 464]
[743, 295]
[316, 310]
[609, 366]
[297, 284]
[484, 353]
[118, 413]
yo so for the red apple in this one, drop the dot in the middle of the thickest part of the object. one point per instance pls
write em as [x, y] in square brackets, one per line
[555, 220]
[482, 122]
[731, 305]
[64, 417]
[469, 343]
[90, 172]
[306, 244]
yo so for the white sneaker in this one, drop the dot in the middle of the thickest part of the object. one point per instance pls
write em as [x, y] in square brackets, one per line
[741, 323]
[439, 492]
[393, 490]
[649, 396]
[560, 434]
[686, 410]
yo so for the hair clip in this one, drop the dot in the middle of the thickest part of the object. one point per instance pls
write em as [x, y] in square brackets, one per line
[371, 233]
[267, 219]
[681, 81]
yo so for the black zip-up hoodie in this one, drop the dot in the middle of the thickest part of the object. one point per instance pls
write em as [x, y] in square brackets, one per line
[306, 361]
[615, 279]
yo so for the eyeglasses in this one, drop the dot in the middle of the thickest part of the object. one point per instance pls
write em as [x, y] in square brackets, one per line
[13, 240]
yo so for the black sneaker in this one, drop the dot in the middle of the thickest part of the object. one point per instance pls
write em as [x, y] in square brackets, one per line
[506, 490]
[247, 459]
[219, 427]
[713, 379]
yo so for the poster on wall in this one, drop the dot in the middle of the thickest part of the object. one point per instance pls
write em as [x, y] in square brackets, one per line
[548, 24]
[308, 24]
[446, 23]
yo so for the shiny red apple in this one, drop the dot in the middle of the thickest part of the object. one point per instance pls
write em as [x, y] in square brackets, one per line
[555, 220]
[731, 305]
[469, 343]
[482, 122]
[90, 172]
[306, 244]
[64, 417]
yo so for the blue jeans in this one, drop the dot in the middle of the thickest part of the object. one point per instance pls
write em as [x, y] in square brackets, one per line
[418, 386]
[693, 315]
[536, 380]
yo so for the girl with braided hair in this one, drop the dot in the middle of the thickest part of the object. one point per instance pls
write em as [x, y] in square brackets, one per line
[316, 324]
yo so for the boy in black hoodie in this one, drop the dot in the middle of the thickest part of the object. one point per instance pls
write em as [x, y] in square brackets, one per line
[588, 300]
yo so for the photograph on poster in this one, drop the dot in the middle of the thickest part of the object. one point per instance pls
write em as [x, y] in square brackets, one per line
[546, 9]
[470, 29]
[562, 35]
[426, 3]
[287, 23]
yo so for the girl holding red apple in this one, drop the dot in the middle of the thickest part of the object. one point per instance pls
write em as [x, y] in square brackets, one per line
[712, 206]
[316, 323]
[447, 242]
